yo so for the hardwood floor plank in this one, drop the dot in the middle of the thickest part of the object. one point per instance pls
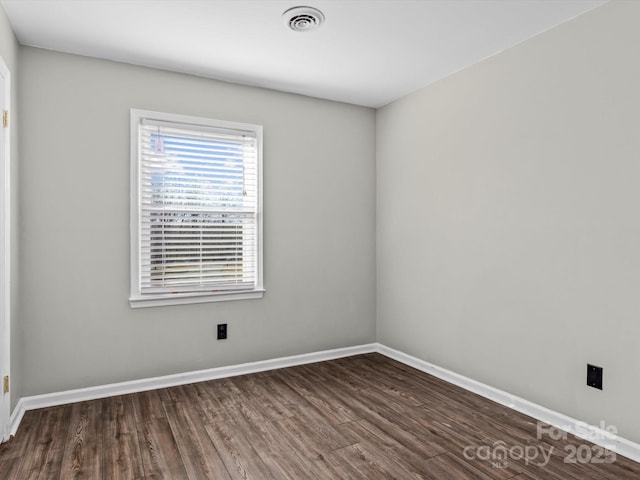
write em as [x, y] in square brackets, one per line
[282, 461]
[333, 371]
[199, 456]
[403, 393]
[320, 397]
[423, 385]
[161, 458]
[22, 442]
[121, 459]
[235, 406]
[369, 433]
[527, 476]
[272, 445]
[268, 404]
[174, 394]
[207, 398]
[312, 457]
[323, 436]
[82, 456]
[147, 406]
[312, 374]
[236, 452]
[224, 387]
[451, 466]
[376, 397]
[354, 462]
[403, 430]
[10, 467]
[289, 397]
[315, 415]
[45, 459]
[455, 438]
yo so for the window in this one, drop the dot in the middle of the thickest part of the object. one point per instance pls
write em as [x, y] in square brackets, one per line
[196, 219]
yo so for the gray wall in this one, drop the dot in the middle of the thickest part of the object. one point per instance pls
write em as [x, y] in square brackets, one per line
[9, 51]
[319, 187]
[508, 232]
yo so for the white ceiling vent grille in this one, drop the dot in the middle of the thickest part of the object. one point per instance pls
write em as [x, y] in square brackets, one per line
[303, 19]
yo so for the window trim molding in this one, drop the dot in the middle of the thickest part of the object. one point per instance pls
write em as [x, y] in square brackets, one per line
[136, 298]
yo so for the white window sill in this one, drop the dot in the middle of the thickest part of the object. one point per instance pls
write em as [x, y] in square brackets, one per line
[187, 298]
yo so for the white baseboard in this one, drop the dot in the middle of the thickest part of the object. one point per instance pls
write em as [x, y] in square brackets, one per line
[134, 386]
[593, 434]
[16, 418]
[596, 435]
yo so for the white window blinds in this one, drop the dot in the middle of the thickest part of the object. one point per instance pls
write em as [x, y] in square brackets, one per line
[198, 207]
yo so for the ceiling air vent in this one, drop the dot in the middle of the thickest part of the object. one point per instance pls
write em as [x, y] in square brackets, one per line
[303, 19]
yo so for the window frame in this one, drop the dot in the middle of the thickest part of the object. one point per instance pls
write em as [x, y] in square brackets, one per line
[138, 299]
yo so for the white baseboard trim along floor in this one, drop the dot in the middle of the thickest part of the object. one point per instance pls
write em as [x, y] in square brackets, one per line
[596, 435]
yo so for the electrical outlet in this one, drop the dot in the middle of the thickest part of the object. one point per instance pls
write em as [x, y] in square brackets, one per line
[594, 376]
[222, 331]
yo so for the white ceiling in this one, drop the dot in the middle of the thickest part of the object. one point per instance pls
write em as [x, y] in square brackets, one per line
[368, 52]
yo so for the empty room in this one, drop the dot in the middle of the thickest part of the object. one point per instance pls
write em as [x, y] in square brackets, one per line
[334, 239]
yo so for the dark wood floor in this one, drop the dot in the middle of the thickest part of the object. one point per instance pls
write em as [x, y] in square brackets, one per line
[364, 417]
